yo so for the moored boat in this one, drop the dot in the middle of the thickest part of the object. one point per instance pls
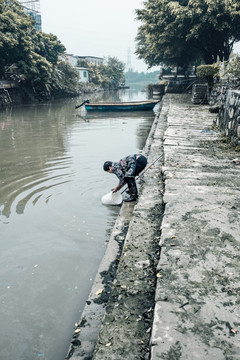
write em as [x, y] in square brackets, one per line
[144, 105]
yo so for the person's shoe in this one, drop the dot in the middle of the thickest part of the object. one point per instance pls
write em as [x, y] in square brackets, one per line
[131, 198]
[132, 190]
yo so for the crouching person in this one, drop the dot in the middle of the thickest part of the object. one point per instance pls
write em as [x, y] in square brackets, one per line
[126, 170]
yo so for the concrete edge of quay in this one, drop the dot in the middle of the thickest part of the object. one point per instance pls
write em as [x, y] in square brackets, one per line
[126, 328]
[87, 329]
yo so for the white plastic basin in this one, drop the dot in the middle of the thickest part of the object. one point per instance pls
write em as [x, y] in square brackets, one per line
[112, 198]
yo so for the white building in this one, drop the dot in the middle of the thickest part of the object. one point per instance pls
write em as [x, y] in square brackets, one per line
[83, 74]
[73, 60]
[70, 59]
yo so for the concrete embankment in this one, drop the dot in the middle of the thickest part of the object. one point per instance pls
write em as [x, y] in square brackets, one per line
[175, 293]
[197, 299]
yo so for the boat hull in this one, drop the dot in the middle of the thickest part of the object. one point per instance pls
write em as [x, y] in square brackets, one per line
[137, 106]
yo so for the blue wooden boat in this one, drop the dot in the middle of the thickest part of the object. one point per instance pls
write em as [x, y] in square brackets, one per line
[122, 106]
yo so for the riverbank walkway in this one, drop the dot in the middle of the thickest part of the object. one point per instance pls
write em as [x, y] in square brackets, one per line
[176, 293]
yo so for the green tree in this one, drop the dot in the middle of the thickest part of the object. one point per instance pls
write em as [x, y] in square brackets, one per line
[114, 70]
[64, 79]
[109, 75]
[82, 63]
[34, 55]
[16, 33]
[180, 32]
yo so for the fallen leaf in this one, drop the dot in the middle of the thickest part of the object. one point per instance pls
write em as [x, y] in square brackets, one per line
[108, 344]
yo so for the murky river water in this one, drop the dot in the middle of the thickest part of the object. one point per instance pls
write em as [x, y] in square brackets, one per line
[53, 227]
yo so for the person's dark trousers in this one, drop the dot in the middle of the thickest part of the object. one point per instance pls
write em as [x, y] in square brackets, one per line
[141, 164]
[132, 189]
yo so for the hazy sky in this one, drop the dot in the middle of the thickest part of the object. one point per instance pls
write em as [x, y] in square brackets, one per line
[95, 27]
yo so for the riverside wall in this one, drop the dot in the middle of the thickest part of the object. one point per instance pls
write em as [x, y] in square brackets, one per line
[228, 118]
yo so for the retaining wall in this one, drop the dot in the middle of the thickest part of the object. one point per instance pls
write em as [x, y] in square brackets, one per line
[228, 118]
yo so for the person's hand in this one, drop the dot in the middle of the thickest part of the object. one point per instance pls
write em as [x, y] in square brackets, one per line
[118, 187]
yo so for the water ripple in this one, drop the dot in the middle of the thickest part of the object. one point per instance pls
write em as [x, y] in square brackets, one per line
[22, 183]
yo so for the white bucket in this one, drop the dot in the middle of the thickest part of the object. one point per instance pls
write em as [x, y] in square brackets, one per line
[112, 198]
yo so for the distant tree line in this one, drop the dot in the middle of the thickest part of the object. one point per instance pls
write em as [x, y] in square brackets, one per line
[135, 76]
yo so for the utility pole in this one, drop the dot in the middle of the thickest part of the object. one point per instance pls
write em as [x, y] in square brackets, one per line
[129, 64]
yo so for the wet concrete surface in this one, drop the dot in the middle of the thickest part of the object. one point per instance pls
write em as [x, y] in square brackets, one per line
[176, 291]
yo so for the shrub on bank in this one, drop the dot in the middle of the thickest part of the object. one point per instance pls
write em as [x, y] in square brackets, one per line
[207, 73]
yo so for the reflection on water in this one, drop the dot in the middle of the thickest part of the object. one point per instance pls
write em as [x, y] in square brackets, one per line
[53, 226]
[123, 95]
[33, 156]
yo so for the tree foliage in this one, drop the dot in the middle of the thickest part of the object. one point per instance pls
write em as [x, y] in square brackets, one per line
[108, 75]
[207, 73]
[64, 79]
[180, 32]
[34, 55]
[230, 70]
